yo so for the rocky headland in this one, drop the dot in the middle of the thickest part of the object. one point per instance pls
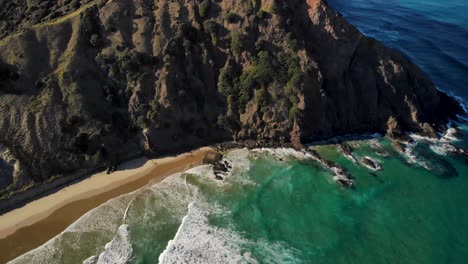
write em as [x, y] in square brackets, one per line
[87, 84]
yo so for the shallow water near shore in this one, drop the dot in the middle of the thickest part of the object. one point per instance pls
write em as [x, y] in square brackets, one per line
[279, 206]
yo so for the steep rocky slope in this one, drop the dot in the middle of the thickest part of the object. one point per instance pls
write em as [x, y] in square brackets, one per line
[85, 83]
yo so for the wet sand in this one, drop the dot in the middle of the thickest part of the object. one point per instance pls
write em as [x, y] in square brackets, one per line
[26, 228]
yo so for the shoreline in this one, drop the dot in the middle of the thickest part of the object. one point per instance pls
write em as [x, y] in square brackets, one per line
[32, 225]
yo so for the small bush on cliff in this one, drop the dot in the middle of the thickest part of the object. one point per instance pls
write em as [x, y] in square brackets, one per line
[262, 14]
[291, 42]
[237, 43]
[227, 84]
[261, 73]
[291, 73]
[260, 96]
[204, 8]
[95, 40]
[212, 28]
[74, 4]
[143, 122]
[230, 17]
[224, 123]
[98, 157]
[293, 112]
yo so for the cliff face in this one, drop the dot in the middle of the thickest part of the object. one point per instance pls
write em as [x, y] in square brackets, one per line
[99, 80]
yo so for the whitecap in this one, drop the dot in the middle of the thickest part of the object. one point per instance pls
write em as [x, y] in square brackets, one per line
[442, 149]
[196, 241]
[91, 260]
[119, 250]
[411, 157]
[449, 135]
[284, 153]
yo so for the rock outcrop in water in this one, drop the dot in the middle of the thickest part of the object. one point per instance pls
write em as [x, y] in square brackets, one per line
[342, 177]
[85, 83]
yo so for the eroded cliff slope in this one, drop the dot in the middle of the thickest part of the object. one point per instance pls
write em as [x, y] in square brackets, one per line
[99, 81]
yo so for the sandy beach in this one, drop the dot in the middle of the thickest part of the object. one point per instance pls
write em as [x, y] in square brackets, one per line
[28, 227]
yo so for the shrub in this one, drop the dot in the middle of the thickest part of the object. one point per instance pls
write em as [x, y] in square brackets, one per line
[260, 96]
[293, 99]
[223, 123]
[152, 116]
[291, 42]
[232, 103]
[94, 40]
[98, 157]
[261, 73]
[294, 84]
[75, 4]
[154, 104]
[142, 122]
[237, 43]
[291, 72]
[262, 14]
[293, 112]
[226, 81]
[230, 17]
[212, 28]
[204, 8]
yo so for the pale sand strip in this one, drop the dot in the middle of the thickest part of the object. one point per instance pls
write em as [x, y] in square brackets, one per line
[28, 227]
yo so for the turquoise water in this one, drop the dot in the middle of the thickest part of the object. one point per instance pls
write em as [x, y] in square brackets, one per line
[281, 206]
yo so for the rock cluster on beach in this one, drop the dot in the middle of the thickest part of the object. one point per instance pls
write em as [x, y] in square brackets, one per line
[88, 83]
[220, 166]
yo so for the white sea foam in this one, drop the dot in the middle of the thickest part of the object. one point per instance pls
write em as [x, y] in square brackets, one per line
[442, 149]
[284, 153]
[375, 143]
[197, 241]
[202, 171]
[440, 146]
[412, 158]
[175, 194]
[350, 157]
[195, 236]
[119, 250]
[449, 135]
[239, 160]
[91, 260]
[104, 219]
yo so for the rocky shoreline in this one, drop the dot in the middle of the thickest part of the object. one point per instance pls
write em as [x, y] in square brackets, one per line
[222, 167]
[400, 143]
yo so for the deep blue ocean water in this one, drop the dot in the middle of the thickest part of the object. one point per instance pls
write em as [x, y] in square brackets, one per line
[433, 33]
